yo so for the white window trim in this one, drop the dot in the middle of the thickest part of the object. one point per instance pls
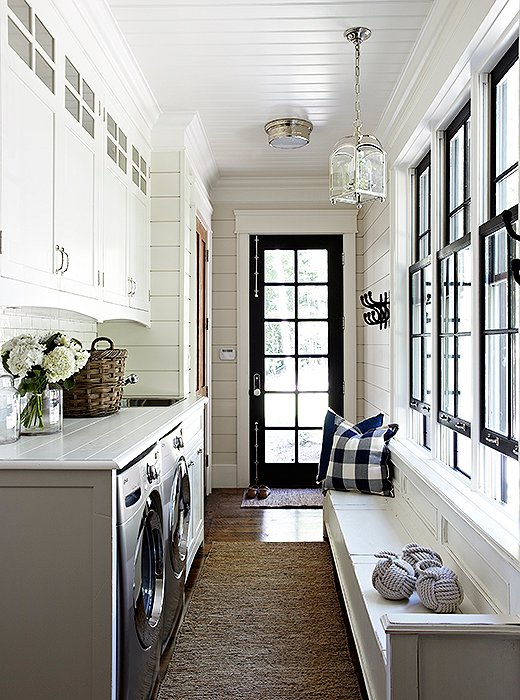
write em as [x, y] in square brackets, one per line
[293, 222]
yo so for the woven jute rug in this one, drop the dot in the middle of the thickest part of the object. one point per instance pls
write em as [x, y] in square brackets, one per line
[286, 498]
[264, 623]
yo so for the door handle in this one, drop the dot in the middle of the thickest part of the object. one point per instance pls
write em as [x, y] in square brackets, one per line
[256, 385]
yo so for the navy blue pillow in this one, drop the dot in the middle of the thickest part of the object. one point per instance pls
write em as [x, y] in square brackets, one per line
[332, 420]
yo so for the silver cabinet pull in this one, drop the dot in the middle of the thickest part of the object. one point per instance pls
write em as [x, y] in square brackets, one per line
[130, 289]
[60, 251]
[68, 260]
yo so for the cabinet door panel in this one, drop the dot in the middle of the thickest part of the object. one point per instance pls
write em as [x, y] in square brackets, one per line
[75, 214]
[139, 254]
[27, 184]
[115, 282]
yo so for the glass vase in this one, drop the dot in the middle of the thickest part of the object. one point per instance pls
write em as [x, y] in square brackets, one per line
[42, 413]
[9, 411]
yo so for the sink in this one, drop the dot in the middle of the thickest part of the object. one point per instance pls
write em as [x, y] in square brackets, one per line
[150, 401]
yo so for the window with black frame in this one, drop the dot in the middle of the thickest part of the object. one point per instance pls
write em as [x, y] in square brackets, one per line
[499, 292]
[454, 285]
[420, 280]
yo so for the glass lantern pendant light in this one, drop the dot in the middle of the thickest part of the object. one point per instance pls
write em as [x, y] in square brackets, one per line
[357, 162]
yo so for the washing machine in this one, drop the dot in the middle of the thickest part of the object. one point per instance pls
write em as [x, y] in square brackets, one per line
[140, 547]
[176, 517]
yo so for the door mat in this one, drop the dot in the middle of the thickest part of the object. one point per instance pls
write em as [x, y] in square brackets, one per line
[286, 498]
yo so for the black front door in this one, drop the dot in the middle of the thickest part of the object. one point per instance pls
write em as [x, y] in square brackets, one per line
[296, 353]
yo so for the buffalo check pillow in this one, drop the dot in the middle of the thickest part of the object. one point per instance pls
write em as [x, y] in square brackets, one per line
[359, 461]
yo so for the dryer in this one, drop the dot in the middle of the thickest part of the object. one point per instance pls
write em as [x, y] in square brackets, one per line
[140, 547]
[176, 518]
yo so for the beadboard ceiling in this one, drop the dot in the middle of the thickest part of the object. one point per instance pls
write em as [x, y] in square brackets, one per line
[240, 63]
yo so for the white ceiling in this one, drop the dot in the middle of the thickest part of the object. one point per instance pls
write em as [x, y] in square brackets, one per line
[240, 63]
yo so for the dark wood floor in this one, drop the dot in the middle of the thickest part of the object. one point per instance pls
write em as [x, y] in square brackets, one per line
[226, 521]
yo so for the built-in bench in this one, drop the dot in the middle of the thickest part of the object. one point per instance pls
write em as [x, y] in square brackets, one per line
[406, 651]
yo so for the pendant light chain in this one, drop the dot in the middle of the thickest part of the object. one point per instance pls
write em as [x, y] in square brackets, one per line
[357, 123]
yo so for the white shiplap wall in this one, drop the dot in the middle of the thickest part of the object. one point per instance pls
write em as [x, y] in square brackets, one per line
[373, 344]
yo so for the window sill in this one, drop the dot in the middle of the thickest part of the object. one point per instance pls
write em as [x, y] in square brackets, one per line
[496, 527]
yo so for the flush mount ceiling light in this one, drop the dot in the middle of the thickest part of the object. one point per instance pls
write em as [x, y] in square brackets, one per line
[288, 133]
[358, 162]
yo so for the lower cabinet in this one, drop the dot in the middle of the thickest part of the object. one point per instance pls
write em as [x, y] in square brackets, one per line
[193, 435]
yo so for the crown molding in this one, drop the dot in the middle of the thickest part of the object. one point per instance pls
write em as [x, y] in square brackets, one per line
[295, 221]
[97, 31]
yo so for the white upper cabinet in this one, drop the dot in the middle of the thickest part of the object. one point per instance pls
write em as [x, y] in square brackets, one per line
[74, 206]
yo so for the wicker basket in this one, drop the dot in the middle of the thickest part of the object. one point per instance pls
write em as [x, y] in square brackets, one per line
[99, 385]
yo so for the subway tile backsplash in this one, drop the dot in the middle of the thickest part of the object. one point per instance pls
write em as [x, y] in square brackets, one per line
[17, 320]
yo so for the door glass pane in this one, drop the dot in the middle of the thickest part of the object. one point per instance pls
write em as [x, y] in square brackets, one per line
[464, 290]
[496, 369]
[279, 302]
[313, 338]
[464, 378]
[279, 374]
[312, 302]
[496, 281]
[313, 373]
[447, 307]
[279, 409]
[279, 338]
[279, 266]
[280, 446]
[312, 409]
[309, 445]
[312, 266]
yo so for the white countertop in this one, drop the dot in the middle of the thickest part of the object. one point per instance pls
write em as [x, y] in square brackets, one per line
[97, 443]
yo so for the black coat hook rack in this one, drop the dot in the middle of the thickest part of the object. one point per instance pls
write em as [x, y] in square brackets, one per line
[379, 313]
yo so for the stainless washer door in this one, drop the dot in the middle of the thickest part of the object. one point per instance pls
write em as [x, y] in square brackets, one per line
[149, 575]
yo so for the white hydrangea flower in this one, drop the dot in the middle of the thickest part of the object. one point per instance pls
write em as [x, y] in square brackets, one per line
[59, 364]
[25, 352]
[81, 357]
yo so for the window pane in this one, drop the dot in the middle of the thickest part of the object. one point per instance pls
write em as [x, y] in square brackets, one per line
[448, 375]
[496, 281]
[279, 302]
[313, 338]
[456, 226]
[279, 338]
[87, 120]
[309, 445]
[122, 139]
[456, 165]
[22, 10]
[424, 247]
[447, 445]
[424, 201]
[135, 155]
[507, 191]
[19, 43]
[427, 392]
[464, 378]
[513, 385]
[279, 266]
[495, 391]
[111, 149]
[44, 38]
[416, 368]
[143, 185]
[464, 274]
[447, 306]
[122, 161]
[313, 373]
[312, 302]
[279, 409]
[312, 409]
[280, 446]
[312, 266]
[111, 126]
[427, 293]
[464, 455]
[279, 374]
[416, 302]
[507, 112]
